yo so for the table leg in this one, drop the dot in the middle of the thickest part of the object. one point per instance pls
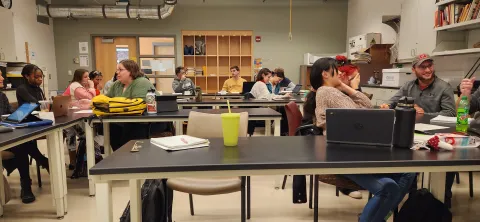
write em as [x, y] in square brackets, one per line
[315, 200]
[2, 191]
[426, 180]
[63, 173]
[106, 139]
[268, 128]
[103, 200]
[56, 172]
[135, 201]
[178, 127]
[90, 156]
[437, 185]
[277, 127]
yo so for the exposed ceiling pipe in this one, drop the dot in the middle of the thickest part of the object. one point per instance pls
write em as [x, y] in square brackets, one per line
[108, 11]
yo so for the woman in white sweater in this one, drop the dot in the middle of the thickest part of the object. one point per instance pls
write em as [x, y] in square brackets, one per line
[260, 90]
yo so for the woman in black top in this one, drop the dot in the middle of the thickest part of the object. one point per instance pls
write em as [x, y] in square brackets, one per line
[21, 152]
[30, 91]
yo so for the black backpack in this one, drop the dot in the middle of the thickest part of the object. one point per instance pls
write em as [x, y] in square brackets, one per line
[157, 200]
[422, 206]
[81, 164]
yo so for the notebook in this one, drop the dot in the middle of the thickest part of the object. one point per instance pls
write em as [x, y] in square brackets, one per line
[182, 142]
[446, 120]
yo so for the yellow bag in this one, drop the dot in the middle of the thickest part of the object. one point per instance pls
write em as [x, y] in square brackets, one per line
[103, 105]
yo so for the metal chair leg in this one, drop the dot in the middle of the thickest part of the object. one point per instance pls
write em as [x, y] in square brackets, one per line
[248, 198]
[470, 182]
[284, 182]
[457, 175]
[243, 195]
[423, 177]
[369, 195]
[310, 191]
[39, 177]
[315, 201]
[337, 191]
[192, 212]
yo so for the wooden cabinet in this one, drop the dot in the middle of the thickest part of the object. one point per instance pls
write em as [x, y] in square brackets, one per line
[7, 38]
[222, 50]
[417, 35]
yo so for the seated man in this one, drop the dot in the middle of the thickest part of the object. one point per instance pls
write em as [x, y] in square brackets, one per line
[181, 83]
[234, 84]
[432, 96]
[284, 81]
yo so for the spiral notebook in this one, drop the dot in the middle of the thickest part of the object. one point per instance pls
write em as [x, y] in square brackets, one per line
[182, 142]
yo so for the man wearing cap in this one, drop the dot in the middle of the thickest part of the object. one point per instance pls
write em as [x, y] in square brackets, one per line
[432, 95]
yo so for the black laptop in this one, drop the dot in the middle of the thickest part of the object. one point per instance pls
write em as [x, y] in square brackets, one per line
[166, 103]
[360, 126]
[247, 87]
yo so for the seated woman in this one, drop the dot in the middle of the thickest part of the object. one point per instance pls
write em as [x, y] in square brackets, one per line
[130, 83]
[260, 89]
[96, 77]
[21, 152]
[388, 189]
[81, 90]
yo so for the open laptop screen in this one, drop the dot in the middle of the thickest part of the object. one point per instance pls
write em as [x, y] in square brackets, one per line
[22, 112]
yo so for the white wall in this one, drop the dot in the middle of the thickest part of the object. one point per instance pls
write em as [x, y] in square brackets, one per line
[365, 16]
[38, 35]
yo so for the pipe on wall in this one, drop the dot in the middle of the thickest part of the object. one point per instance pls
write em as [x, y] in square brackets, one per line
[108, 11]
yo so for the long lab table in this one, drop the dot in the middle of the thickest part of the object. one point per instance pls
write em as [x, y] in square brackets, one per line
[264, 114]
[275, 156]
[209, 102]
[56, 157]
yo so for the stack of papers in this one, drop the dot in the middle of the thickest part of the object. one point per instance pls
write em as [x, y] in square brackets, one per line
[427, 127]
[446, 120]
[182, 142]
[361, 57]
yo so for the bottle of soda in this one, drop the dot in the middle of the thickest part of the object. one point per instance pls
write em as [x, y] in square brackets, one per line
[462, 115]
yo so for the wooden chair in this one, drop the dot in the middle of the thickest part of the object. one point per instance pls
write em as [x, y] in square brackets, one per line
[210, 126]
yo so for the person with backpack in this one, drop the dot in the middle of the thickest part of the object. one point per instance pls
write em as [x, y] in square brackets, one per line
[131, 84]
[388, 189]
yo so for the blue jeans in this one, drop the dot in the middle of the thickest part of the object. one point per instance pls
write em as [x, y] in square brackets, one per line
[388, 191]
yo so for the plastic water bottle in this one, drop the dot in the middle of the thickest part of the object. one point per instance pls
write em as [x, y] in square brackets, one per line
[462, 115]
[151, 102]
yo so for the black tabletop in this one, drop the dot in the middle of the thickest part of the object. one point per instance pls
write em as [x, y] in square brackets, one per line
[181, 114]
[23, 133]
[296, 99]
[256, 153]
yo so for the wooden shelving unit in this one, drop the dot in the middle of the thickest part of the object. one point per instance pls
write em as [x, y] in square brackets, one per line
[223, 49]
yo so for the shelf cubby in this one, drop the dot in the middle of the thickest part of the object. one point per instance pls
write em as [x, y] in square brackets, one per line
[224, 65]
[246, 66]
[246, 45]
[223, 45]
[234, 45]
[211, 45]
[212, 66]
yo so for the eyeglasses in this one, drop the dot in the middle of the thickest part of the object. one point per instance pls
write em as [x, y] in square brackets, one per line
[423, 67]
[119, 70]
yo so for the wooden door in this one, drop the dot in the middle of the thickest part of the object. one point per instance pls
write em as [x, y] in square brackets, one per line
[107, 55]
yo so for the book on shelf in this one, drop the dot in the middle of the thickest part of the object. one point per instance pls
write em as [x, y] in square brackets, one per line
[182, 142]
[456, 12]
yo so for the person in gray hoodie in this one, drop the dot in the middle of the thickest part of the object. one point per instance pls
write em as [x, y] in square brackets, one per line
[181, 83]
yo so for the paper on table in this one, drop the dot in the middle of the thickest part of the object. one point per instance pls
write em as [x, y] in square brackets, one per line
[427, 127]
[446, 119]
[47, 115]
[88, 111]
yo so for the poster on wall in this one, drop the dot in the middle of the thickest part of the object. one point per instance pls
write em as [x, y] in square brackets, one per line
[83, 47]
[83, 60]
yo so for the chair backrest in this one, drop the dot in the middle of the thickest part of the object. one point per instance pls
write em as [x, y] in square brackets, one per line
[294, 117]
[204, 125]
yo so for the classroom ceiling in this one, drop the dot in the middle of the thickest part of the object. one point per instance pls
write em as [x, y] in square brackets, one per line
[257, 3]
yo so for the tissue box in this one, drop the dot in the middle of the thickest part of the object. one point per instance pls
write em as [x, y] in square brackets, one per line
[396, 77]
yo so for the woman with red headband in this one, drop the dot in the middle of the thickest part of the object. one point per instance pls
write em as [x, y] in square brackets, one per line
[348, 73]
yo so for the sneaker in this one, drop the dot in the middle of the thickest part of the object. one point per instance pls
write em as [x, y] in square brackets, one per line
[355, 195]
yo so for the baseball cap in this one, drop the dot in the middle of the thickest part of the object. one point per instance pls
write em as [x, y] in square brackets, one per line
[421, 58]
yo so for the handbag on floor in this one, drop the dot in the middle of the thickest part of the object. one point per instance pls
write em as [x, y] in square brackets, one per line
[422, 206]
[154, 196]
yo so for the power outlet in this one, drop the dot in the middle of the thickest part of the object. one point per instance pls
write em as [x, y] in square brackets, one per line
[69, 72]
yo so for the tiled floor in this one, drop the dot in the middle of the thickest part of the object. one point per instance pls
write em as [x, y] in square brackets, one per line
[268, 204]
